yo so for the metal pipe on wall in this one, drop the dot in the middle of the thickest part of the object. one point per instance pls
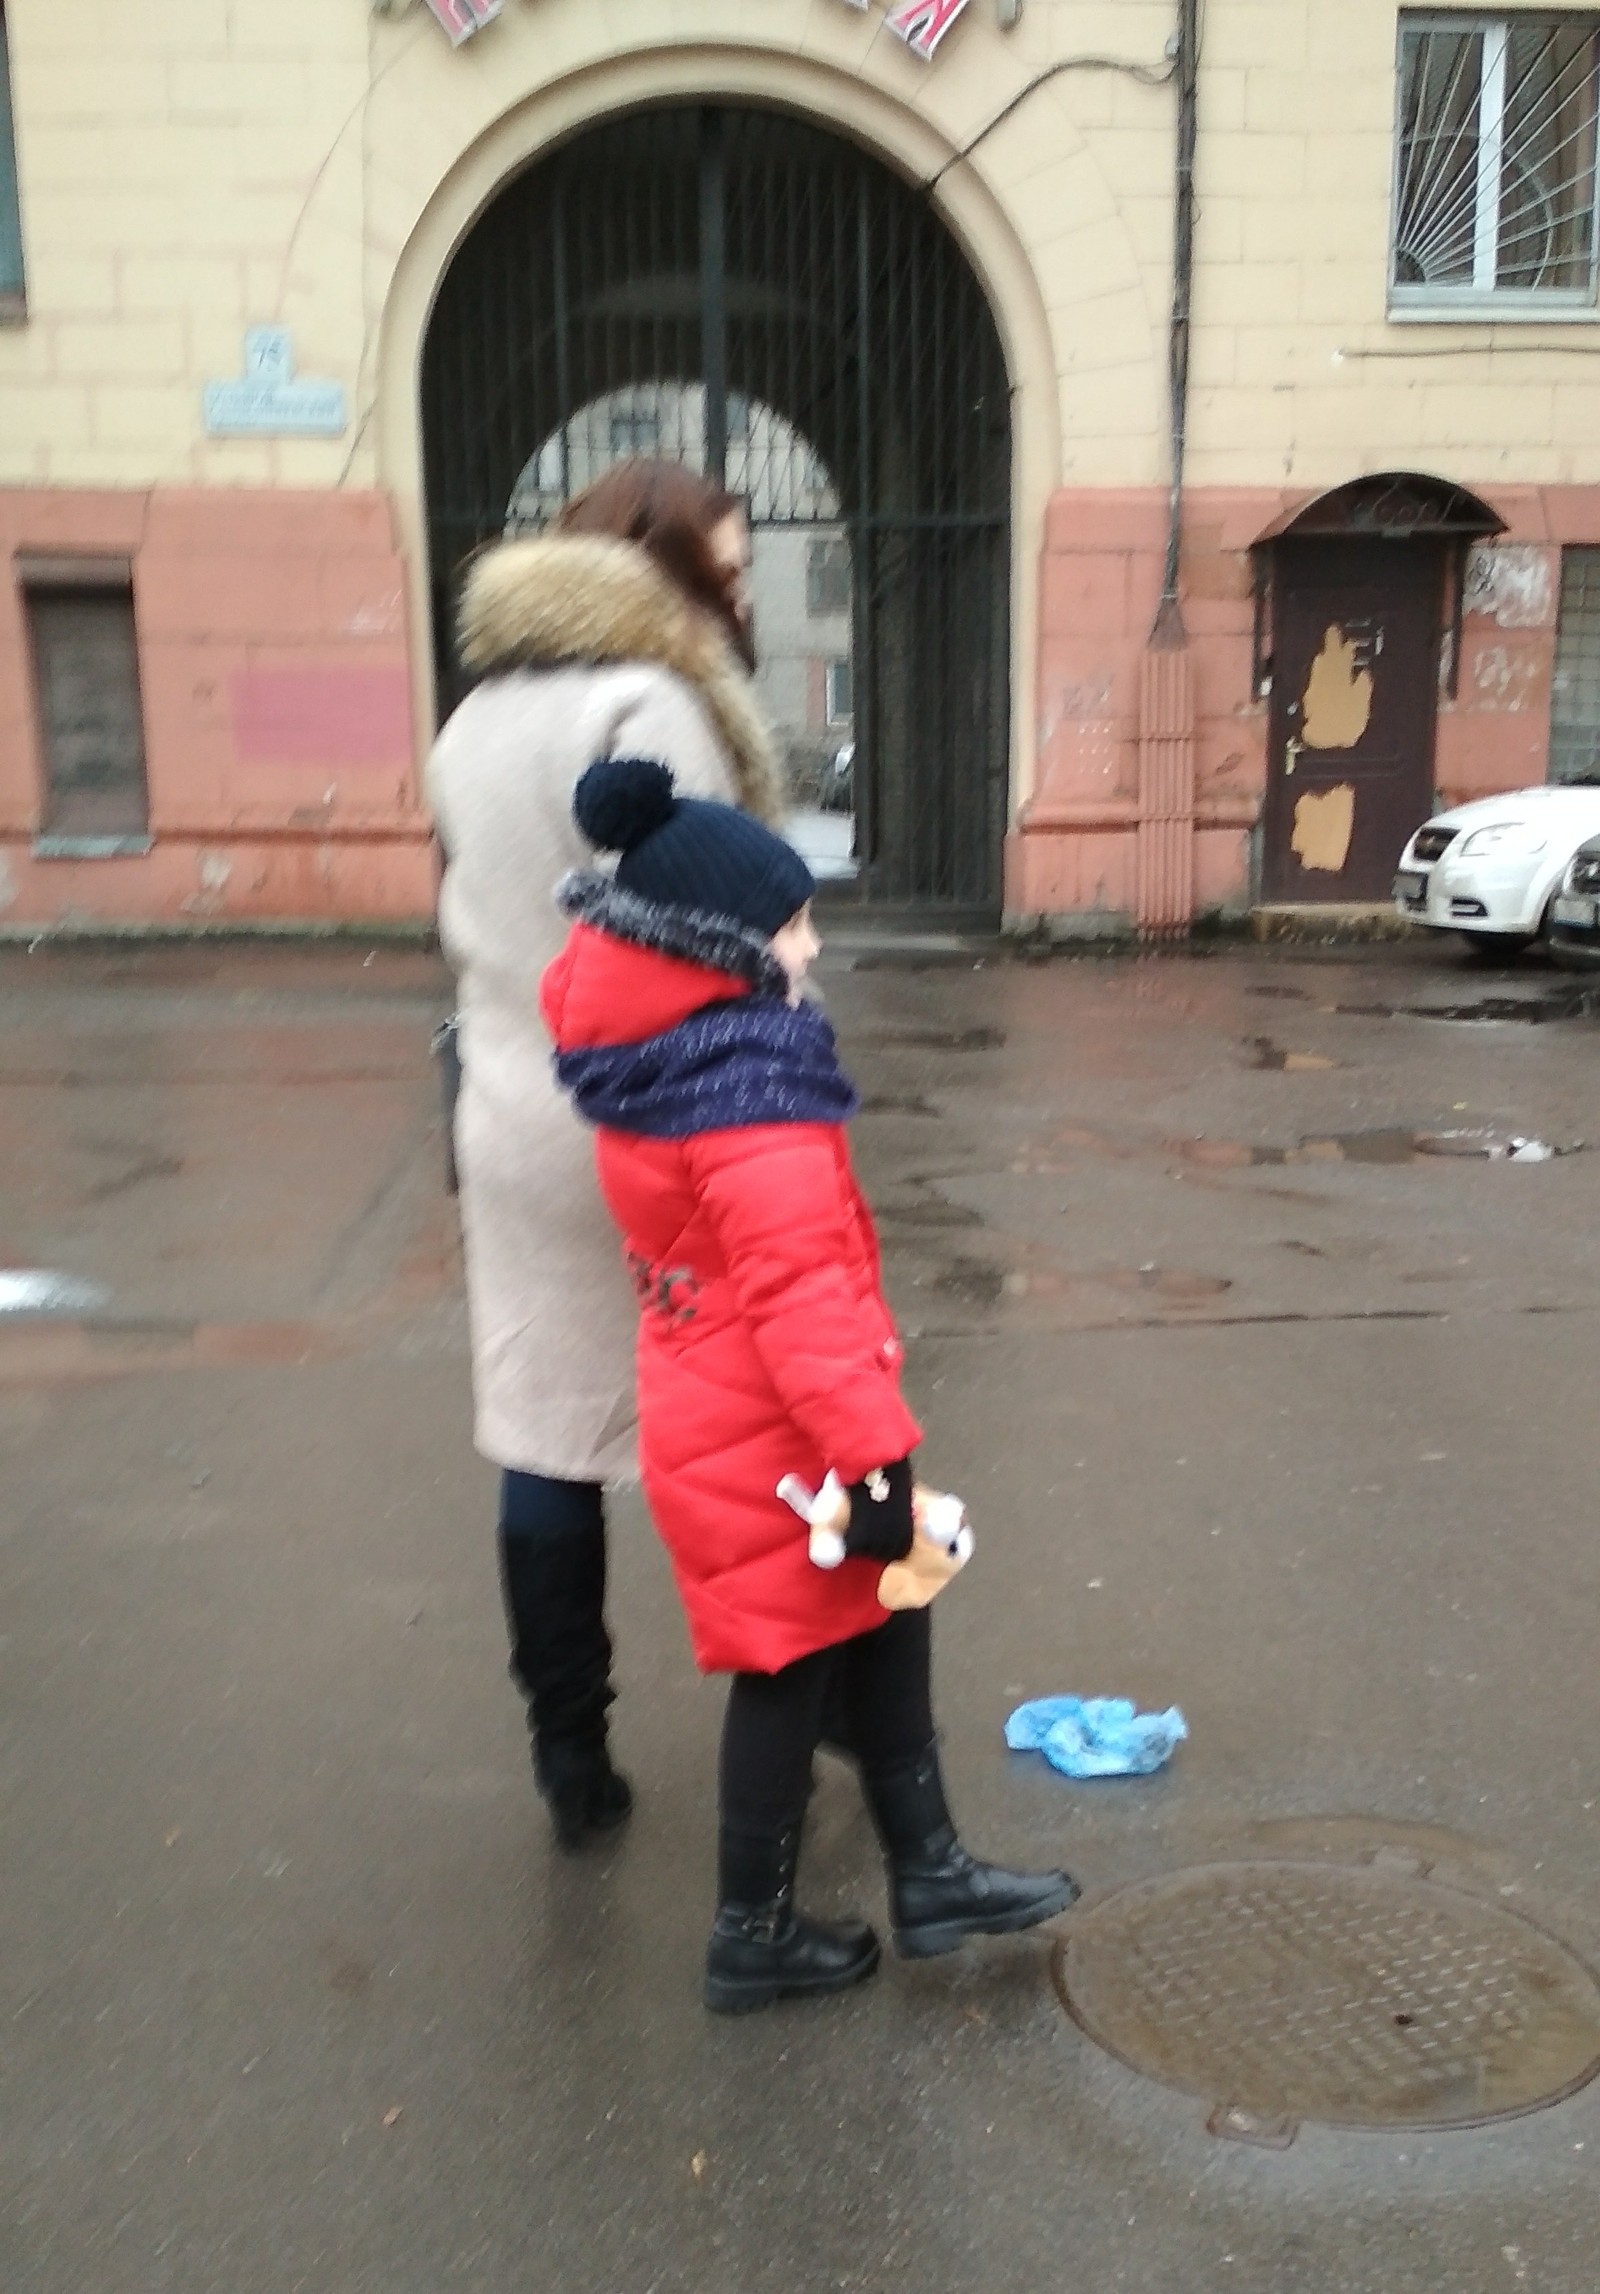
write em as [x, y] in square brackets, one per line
[1168, 629]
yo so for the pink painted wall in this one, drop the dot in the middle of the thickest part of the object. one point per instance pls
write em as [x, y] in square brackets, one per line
[275, 677]
[1072, 853]
[1496, 733]
[282, 756]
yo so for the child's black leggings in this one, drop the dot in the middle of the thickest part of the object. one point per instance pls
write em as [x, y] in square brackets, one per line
[879, 1686]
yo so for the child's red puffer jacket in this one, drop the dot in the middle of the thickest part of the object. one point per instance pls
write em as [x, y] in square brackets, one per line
[765, 1346]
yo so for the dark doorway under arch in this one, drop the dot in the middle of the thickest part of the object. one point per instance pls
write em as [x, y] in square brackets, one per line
[774, 304]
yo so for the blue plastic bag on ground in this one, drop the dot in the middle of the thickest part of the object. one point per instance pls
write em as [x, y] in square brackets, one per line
[1096, 1736]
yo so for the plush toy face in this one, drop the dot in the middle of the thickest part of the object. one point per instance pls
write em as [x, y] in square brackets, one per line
[941, 1548]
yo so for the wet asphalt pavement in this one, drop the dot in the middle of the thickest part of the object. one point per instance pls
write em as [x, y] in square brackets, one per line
[296, 1997]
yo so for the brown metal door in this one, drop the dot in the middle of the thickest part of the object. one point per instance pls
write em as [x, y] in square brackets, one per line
[1355, 678]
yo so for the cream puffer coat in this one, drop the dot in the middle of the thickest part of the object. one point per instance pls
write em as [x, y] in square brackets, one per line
[585, 651]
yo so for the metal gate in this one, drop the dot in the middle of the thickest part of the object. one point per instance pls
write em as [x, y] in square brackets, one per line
[763, 299]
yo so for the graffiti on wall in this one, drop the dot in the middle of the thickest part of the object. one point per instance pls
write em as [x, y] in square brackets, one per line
[1512, 584]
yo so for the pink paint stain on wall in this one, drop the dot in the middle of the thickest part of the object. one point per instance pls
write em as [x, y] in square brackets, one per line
[325, 716]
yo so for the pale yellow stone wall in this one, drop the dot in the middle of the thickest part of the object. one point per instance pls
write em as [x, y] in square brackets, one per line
[1300, 377]
[194, 167]
[183, 175]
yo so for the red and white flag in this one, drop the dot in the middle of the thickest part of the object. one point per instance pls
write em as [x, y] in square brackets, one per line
[461, 18]
[922, 24]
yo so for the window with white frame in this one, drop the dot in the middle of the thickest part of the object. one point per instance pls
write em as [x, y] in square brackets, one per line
[1494, 199]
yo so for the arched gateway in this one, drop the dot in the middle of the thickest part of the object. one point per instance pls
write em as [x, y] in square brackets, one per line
[743, 288]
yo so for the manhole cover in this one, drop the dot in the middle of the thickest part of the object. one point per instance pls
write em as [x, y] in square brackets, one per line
[1360, 1997]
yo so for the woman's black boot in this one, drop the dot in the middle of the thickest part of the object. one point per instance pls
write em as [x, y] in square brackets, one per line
[761, 1948]
[938, 1894]
[581, 1789]
[555, 1589]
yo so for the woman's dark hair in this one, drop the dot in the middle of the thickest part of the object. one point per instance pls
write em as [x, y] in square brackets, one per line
[670, 512]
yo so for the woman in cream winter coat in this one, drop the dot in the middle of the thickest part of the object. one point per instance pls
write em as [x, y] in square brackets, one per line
[585, 645]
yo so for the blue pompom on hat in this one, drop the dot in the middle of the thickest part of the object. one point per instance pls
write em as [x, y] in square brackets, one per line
[686, 852]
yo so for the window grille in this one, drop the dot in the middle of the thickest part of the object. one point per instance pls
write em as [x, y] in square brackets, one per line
[1575, 701]
[1495, 166]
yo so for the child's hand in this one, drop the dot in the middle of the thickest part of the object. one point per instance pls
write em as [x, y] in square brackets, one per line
[881, 1522]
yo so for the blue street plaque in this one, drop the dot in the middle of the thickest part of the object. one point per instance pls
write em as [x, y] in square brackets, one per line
[270, 400]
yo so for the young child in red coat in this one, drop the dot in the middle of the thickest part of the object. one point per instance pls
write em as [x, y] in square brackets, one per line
[765, 1350]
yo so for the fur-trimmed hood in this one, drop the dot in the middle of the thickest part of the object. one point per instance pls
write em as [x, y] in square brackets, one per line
[581, 597]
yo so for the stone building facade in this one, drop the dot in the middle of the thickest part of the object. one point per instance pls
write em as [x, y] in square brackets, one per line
[224, 622]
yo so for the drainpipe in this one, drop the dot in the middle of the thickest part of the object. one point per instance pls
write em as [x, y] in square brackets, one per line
[1168, 630]
[1164, 845]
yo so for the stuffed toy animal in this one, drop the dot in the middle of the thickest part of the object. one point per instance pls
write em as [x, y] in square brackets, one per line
[943, 1543]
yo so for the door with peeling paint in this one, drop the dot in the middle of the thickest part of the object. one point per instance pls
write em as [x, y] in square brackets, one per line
[1355, 682]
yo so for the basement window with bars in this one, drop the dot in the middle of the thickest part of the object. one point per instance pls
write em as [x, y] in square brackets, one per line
[1494, 201]
[1575, 698]
[79, 617]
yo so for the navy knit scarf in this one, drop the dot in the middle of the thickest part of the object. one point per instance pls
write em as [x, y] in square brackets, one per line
[753, 1060]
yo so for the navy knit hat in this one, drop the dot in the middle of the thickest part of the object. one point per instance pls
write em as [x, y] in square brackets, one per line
[686, 852]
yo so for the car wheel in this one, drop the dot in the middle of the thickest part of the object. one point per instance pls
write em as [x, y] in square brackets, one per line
[1497, 947]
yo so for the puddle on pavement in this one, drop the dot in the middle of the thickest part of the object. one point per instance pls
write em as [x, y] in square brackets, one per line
[916, 960]
[932, 1039]
[980, 1282]
[930, 1213]
[1530, 1011]
[973, 1282]
[1385, 1144]
[46, 1294]
[899, 1103]
[1176, 1285]
[1573, 1004]
[1266, 1054]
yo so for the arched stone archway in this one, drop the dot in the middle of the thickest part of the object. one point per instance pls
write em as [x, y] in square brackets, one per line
[741, 256]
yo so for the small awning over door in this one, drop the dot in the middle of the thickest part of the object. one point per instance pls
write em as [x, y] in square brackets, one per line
[1391, 506]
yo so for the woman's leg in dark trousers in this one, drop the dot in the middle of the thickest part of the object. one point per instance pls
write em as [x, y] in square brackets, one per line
[761, 1949]
[552, 1538]
[939, 1894]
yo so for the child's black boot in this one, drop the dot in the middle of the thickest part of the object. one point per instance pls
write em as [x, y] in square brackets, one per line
[761, 1948]
[939, 1894]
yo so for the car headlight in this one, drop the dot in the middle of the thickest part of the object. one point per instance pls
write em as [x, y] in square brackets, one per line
[1508, 837]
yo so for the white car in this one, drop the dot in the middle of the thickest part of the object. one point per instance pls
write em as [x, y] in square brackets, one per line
[1490, 870]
